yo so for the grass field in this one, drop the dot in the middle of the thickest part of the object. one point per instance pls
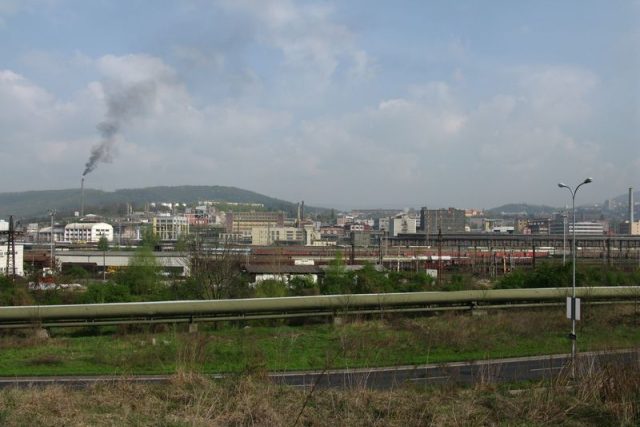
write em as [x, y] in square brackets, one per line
[609, 397]
[260, 348]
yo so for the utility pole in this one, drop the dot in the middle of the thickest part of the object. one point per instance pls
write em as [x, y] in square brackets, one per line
[352, 257]
[11, 251]
[439, 256]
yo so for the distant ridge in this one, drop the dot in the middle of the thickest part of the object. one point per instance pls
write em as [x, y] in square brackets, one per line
[523, 209]
[35, 204]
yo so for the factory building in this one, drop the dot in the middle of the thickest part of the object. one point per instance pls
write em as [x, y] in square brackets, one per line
[79, 232]
[402, 224]
[582, 227]
[169, 227]
[19, 258]
[538, 226]
[263, 236]
[241, 223]
[632, 228]
[449, 221]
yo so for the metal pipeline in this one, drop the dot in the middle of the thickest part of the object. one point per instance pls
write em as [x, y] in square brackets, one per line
[307, 303]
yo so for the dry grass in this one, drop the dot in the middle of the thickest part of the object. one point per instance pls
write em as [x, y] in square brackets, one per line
[604, 396]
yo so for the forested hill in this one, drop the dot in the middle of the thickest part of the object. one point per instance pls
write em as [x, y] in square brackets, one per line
[522, 209]
[34, 204]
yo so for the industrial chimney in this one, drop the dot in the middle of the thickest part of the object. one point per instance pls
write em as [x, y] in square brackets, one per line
[82, 198]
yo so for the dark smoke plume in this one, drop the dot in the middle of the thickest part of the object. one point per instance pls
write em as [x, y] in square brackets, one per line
[124, 103]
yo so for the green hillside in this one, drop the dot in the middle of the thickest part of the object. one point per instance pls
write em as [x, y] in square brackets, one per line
[35, 204]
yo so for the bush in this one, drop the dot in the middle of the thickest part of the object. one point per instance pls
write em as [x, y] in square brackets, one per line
[14, 293]
[142, 275]
[336, 280]
[303, 286]
[270, 289]
[98, 293]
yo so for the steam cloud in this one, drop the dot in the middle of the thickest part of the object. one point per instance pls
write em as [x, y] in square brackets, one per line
[124, 103]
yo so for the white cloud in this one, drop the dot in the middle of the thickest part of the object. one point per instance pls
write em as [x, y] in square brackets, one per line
[558, 93]
[11, 8]
[308, 38]
[430, 144]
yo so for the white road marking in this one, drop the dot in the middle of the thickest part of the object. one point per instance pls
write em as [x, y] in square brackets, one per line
[546, 369]
[429, 378]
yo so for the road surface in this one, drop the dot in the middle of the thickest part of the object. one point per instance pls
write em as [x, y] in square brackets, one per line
[488, 371]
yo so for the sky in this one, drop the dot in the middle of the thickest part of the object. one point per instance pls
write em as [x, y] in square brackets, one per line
[348, 104]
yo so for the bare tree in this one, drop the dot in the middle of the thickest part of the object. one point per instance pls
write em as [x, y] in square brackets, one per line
[216, 272]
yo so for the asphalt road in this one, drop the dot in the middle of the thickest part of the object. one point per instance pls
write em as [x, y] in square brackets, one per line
[488, 371]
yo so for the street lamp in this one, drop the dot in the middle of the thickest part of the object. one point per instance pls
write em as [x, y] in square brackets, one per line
[564, 237]
[52, 213]
[573, 336]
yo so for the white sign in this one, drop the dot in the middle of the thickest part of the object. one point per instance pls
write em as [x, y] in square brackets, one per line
[570, 308]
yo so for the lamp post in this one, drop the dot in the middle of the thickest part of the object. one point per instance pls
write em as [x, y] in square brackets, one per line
[573, 336]
[564, 237]
[52, 213]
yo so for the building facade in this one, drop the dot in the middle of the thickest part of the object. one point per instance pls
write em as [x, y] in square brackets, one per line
[402, 224]
[264, 236]
[19, 259]
[449, 221]
[241, 223]
[80, 232]
[170, 227]
[595, 228]
[632, 228]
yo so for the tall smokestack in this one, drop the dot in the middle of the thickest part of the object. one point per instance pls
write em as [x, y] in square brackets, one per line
[630, 207]
[82, 198]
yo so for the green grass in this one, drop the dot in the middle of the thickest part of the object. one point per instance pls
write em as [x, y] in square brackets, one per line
[394, 341]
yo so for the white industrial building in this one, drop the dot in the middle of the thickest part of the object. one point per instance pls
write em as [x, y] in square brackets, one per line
[44, 234]
[87, 232]
[19, 257]
[595, 228]
[402, 223]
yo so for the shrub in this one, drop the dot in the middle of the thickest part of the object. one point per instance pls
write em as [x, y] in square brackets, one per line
[98, 293]
[13, 293]
[303, 286]
[270, 289]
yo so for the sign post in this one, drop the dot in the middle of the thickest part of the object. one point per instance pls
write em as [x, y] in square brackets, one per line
[573, 308]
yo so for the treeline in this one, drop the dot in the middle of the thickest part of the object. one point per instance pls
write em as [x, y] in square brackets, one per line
[221, 277]
[212, 277]
[548, 275]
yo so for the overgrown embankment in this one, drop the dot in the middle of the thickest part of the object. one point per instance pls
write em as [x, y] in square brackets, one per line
[275, 346]
[606, 397]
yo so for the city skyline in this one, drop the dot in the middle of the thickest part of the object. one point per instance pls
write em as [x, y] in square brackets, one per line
[340, 105]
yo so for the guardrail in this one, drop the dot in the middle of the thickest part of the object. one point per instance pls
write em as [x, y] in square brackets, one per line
[320, 305]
